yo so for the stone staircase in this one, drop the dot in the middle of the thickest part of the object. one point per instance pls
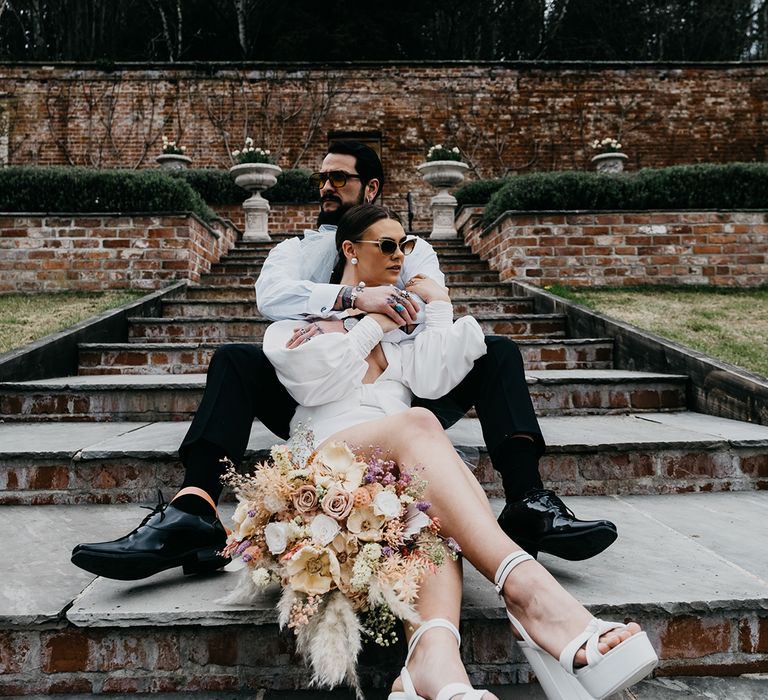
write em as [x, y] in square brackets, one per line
[75, 448]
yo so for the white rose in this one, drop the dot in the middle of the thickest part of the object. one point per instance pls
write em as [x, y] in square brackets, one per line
[387, 504]
[276, 535]
[324, 529]
[235, 153]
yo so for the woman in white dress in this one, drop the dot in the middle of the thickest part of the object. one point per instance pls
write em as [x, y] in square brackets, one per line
[353, 385]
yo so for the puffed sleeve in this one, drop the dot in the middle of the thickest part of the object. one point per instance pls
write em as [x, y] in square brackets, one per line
[325, 369]
[443, 353]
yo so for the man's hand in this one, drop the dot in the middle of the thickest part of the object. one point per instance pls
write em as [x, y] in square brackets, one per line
[389, 301]
[304, 333]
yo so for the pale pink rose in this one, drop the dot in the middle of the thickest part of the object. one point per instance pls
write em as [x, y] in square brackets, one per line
[337, 503]
[305, 499]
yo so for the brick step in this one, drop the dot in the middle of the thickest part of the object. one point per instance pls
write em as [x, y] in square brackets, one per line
[453, 279]
[643, 453]
[250, 329]
[236, 267]
[482, 290]
[71, 633]
[193, 358]
[152, 397]
[246, 306]
[253, 267]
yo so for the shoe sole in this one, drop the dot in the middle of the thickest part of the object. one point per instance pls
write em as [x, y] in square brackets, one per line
[579, 546]
[132, 567]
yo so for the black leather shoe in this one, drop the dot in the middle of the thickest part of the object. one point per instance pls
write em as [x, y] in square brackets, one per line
[166, 538]
[541, 522]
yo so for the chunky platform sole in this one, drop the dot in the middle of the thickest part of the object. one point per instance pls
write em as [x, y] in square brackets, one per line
[620, 668]
[132, 567]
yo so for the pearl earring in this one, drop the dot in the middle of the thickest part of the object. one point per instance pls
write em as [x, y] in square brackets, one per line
[353, 261]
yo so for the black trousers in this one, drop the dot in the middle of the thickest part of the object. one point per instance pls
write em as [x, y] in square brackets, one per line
[242, 385]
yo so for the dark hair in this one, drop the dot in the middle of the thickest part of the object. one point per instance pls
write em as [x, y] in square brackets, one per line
[367, 162]
[355, 222]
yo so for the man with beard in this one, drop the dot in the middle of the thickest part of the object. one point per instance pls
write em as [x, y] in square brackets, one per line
[242, 385]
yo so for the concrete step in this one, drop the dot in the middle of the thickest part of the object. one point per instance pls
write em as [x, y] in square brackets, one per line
[251, 329]
[193, 358]
[207, 292]
[682, 567]
[640, 453]
[155, 397]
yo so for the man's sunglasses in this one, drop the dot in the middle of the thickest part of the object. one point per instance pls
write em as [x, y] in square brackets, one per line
[388, 246]
[338, 178]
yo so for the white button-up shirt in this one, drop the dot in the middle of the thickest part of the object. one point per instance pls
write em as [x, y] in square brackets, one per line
[294, 279]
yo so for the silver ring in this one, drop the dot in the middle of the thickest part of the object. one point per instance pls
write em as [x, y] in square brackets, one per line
[405, 294]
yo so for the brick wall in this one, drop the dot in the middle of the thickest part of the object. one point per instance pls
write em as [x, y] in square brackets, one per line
[616, 249]
[102, 251]
[282, 217]
[506, 117]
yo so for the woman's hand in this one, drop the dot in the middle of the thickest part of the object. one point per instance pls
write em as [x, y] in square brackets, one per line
[427, 288]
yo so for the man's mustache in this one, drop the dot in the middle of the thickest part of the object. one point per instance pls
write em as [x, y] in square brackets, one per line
[330, 198]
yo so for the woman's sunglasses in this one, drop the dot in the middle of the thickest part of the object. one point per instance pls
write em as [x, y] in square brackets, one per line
[338, 178]
[388, 246]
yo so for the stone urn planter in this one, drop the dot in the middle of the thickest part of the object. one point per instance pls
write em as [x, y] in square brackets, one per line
[609, 163]
[256, 177]
[173, 161]
[443, 175]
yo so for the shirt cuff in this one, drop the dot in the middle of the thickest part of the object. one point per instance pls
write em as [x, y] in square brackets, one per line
[439, 314]
[365, 335]
[323, 298]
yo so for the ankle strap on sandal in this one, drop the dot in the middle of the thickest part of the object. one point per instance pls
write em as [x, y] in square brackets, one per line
[507, 566]
[428, 625]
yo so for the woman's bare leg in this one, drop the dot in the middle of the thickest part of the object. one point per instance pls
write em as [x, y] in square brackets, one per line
[436, 660]
[418, 443]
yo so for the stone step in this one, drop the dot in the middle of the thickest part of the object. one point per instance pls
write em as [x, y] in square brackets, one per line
[246, 306]
[152, 397]
[193, 358]
[453, 279]
[639, 453]
[250, 329]
[700, 594]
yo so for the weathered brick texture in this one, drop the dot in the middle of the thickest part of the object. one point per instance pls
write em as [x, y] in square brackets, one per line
[618, 249]
[506, 117]
[81, 252]
[282, 217]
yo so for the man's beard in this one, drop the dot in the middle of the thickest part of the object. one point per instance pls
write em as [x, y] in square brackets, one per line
[332, 218]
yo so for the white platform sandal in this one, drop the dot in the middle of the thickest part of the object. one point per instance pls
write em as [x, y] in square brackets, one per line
[451, 690]
[604, 674]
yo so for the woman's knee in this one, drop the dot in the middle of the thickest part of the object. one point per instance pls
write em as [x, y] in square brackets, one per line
[422, 420]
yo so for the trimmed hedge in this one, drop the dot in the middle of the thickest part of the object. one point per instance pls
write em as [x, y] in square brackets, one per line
[728, 186]
[479, 191]
[218, 187]
[69, 189]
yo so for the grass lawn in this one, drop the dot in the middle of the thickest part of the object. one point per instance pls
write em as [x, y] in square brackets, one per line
[729, 324]
[27, 317]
